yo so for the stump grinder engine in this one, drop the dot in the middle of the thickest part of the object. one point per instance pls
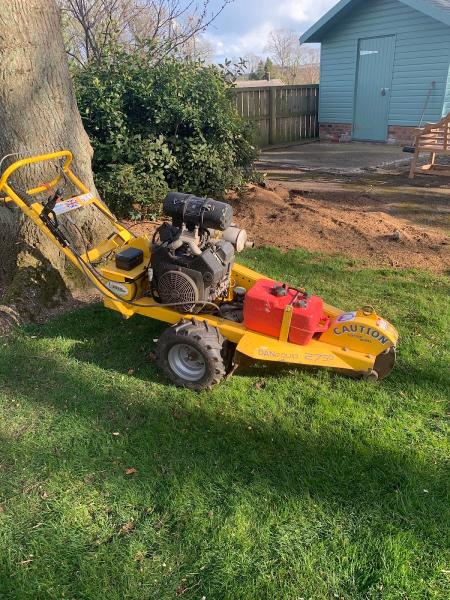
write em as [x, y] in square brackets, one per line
[187, 276]
[192, 258]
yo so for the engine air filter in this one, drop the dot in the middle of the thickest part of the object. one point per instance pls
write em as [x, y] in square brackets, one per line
[176, 286]
[193, 211]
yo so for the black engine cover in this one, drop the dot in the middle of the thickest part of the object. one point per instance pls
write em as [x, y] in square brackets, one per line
[193, 211]
[207, 270]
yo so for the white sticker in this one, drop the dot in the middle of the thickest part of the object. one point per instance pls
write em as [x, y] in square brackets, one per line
[346, 317]
[382, 324]
[72, 203]
[117, 288]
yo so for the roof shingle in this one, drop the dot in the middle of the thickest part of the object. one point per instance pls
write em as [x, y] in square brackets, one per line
[436, 9]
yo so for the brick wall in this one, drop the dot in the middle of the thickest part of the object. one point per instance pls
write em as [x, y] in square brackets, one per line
[334, 131]
[342, 132]
[403, 136]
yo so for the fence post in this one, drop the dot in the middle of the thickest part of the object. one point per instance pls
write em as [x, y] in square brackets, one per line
[272, 115]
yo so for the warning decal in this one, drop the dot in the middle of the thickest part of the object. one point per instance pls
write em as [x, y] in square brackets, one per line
[73, 203]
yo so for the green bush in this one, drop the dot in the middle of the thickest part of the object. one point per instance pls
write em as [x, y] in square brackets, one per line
[137, 187]
[156, 127]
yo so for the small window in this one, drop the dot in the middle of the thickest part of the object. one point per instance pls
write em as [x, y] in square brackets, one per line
[367, 52]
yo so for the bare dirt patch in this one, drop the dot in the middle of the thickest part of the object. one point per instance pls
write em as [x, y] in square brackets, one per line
[381, 218]
[358, 221]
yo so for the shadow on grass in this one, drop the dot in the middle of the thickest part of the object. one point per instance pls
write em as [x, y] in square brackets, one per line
[189, 450]
[354, 458]
[168, 438]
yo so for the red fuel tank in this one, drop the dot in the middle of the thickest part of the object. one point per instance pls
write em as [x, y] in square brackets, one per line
[264, 306]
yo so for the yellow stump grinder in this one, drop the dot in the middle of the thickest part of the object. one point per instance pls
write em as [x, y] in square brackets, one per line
[187, 276]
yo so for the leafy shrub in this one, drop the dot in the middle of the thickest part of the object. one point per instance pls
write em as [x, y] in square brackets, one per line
[131, 192]
[138, 186]
[154, 127]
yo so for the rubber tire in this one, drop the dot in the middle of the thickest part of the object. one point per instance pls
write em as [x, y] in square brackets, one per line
[206, 340]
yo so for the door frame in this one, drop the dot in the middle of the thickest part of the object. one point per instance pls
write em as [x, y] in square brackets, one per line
[355, 86]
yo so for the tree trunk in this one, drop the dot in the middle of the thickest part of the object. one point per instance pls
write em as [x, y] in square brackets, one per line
[38, 114]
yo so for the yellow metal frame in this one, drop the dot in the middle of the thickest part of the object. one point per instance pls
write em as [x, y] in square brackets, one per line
[33, 211]
[352, 342]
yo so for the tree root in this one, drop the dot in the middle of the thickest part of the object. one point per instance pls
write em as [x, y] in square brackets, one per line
[9, 319]
[35, 289]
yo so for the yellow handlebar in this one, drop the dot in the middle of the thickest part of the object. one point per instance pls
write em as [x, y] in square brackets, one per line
[35, 159]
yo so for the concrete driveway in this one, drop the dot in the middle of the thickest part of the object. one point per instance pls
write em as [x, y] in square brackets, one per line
[352, 157]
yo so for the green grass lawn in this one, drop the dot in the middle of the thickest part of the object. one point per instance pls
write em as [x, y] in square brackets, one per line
[275, 485]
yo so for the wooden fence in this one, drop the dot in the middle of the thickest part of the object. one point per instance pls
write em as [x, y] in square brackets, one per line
[284, 114]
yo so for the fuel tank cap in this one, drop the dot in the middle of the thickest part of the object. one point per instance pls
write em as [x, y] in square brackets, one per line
[279, 290]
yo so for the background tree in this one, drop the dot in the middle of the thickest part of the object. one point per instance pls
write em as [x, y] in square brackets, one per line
[293, 63]
[197, 48]
[282, 45]
[268, 69]
[159, 27]
[259, 73]
[38, 114]
[309, 67]
[251, 60]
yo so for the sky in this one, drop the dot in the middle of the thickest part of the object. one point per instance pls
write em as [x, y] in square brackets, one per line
[244, 25]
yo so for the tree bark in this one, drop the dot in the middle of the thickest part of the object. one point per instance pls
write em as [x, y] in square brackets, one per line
[38, 114]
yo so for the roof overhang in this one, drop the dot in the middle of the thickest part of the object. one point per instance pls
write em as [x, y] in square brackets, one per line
[316, 33]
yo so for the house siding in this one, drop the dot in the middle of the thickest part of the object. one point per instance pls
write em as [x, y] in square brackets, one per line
[422, 55]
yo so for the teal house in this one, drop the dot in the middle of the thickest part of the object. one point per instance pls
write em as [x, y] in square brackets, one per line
[384, 68]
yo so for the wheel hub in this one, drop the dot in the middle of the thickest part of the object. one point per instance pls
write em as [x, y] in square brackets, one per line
[186, 362]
